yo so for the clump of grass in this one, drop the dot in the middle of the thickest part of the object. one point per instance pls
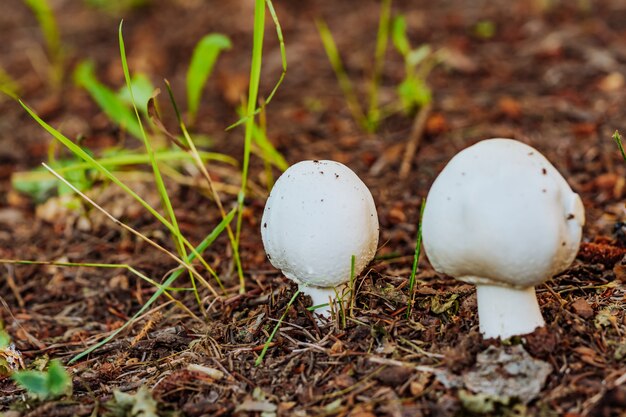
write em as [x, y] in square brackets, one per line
[47, 22]
[413, 91]
[115, 105]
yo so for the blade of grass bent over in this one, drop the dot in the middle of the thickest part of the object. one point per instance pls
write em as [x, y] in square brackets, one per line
[78, 151]
[199, 249]
[151, 242]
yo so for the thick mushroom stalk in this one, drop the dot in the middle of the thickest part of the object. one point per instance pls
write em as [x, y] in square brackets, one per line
[502, 217]
[318, 215]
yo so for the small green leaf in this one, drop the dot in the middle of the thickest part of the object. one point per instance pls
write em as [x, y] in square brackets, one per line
[59, 382]
[203, 59]
[35, 382]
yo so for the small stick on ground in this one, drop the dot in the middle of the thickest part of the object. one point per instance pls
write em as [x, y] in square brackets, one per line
[417, 131]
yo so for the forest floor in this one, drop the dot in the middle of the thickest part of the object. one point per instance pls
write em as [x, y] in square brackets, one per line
[552, 78]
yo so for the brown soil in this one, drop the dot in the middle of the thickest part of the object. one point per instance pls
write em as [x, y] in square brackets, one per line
[552, 78]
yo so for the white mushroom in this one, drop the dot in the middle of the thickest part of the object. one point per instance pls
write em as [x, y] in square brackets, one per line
[318, 215]
[502, 217]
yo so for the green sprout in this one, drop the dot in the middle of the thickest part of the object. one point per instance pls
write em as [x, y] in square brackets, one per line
[49, 384]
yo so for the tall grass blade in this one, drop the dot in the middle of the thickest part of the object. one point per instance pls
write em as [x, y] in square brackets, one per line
[253, 92]
[283, 57]
[158, 178]
[203, 59]
[193, 151]
[382, 39]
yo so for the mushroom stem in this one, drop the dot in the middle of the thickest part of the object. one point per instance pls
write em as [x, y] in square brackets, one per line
[321, 296]
[504, 311]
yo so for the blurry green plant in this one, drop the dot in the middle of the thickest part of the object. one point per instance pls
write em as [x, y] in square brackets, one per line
[114, 104]
[413, 92]
[8, 85]
[43, 13]
[117, 6]
[618, 140]
[49, 384]
[203, 59]
[369, 120]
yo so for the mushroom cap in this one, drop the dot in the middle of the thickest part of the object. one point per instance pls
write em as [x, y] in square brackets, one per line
[499, 213]
[317, 216]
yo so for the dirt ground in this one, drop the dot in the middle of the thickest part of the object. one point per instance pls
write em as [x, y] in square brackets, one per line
[550, 76]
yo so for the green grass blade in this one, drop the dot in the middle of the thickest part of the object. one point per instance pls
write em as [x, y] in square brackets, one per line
[283, 57]
[382, 39]
[199, 249]
[158, 178]
[416, 257]
[344, 81]
[203, 59]
[112, 105]
[253, 92]
[266, 346]
[618, 140]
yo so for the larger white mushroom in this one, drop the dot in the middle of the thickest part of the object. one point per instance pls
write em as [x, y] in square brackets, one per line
[318, 215]
[502, 217]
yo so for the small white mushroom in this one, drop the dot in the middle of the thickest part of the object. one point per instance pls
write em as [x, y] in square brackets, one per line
[318, 215]
[500, 216]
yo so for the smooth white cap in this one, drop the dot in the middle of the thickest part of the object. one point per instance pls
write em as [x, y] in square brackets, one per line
[499, 213]
[317, 216]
